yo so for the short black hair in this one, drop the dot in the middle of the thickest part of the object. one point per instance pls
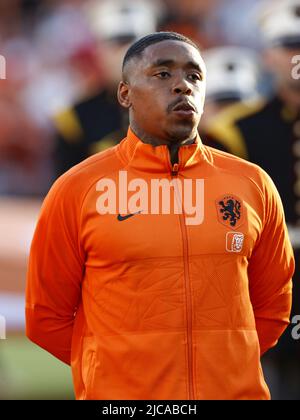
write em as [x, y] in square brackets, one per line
[140, 45]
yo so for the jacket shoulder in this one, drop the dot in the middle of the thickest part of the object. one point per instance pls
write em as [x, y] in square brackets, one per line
[240, 167]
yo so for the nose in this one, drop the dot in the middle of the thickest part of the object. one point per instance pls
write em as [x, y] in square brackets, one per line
[182, 86]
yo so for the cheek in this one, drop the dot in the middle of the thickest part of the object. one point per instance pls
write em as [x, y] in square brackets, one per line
[147, 100]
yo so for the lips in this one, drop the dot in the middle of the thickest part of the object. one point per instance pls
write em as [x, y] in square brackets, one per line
[185, 107]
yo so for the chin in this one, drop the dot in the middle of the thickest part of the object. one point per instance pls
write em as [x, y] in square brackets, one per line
[183, 132]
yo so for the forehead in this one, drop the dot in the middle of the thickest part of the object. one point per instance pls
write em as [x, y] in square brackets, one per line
[177, 51]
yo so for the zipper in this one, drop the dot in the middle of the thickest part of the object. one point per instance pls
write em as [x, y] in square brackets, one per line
[174, 173]
[175, 169]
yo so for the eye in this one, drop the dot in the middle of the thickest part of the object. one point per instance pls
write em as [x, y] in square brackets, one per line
[196, 77]
[163, 74]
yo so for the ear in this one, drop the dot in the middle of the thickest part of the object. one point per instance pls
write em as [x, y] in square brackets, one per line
[124, 95]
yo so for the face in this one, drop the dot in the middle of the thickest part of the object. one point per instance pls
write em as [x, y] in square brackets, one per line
[164, 90]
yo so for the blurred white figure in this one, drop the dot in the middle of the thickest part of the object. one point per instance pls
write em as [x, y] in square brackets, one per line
[280, 31]
[122, 17]
[280, 22]
[232, 75]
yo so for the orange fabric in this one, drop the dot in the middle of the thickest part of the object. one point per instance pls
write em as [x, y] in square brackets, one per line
[152, 308]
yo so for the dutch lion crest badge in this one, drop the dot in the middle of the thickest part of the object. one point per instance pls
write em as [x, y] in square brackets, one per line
[230, 211]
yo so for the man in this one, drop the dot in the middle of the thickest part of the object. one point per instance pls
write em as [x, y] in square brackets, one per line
[143, 299]
[267, 132]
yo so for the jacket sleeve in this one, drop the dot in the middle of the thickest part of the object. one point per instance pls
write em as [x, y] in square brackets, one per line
[55, 272]
[270, 271]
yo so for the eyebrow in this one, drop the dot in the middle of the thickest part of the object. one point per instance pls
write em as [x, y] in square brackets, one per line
[170, 63]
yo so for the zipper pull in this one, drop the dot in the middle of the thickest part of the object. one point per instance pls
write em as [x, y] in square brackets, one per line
[175, 169]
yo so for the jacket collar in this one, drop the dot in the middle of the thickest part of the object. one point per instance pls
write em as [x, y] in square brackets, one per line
[156, 159]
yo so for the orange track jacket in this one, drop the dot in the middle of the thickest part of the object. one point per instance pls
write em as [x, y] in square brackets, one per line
[147, 306]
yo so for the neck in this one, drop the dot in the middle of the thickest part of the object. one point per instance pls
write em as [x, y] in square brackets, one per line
[155, 141]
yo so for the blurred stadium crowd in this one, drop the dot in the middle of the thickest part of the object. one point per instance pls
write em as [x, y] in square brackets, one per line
[58, 104]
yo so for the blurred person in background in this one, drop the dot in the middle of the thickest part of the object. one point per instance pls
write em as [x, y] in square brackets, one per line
[268, 134]
[97, 121]
[232, 77]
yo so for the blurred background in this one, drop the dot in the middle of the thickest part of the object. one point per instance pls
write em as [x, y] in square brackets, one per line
[60, 63]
